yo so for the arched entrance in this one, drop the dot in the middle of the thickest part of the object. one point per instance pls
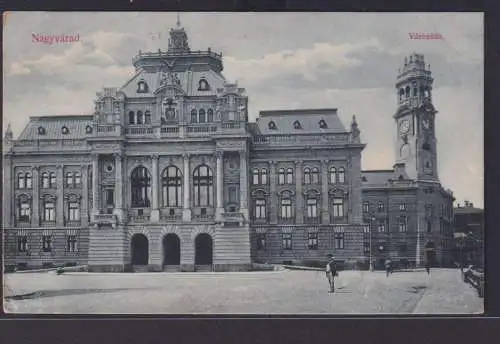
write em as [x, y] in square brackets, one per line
[203, 249]
[171, 249]
[140, 250]
[430, 254]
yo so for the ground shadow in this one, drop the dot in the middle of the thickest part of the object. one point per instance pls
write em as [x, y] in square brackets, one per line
[63, 292]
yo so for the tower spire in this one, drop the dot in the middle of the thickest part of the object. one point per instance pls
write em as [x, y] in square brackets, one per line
[178, 20]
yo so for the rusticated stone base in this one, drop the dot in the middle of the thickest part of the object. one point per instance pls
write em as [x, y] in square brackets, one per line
[232, 267]
[108, 268]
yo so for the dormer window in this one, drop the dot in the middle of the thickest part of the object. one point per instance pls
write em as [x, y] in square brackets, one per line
[88, 129]
[272, 125]
[322, 124]
[142, 87]
[203, 85]
[41, 131]
[65, 130]
[297, 125]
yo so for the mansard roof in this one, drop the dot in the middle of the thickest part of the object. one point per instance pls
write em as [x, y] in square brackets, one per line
[376, 177]
[76, 125]
[309, 120]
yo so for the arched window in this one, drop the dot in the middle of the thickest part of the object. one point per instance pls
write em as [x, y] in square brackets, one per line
[422, 93]
[194, 116]
[281, 176]
[147, 117]
[307, 175]
[69, 179]
[289, 176]
[203, 186]
[45, 180]
[52, 179]
[201, 115]
[78, 179]
[401, 94]
[131, 117]
[263, 176]
[297, 125]
[338, 207]
[73, 206]
[272, 125]
[139, 117]
[380, 207]
[28, 180]
[322, 124]
[333, 175]
[171, 181]
[315, 176]
[24, 209]
[141, 187]
[427, 93]
[21, 181]
[260, 208]
[407, 91]
[255, 177]
[210, 115]
[286, 205]
[49, 208]
[415, 91]
[312, 205]
[341, 175]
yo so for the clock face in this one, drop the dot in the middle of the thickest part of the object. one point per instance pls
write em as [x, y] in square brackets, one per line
[404, 126]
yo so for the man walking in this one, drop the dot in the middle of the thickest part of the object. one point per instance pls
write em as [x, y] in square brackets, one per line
[428, 267]
[331, 272]
[388, 267]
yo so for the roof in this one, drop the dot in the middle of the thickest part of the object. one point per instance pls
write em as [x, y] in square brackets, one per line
[53, 127]
[376, 177]
[309, 120]
[468, 210]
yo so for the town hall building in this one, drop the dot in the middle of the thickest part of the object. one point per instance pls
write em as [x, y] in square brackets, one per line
[168, 174]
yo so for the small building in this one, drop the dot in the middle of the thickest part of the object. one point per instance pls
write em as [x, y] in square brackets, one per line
[469, 235]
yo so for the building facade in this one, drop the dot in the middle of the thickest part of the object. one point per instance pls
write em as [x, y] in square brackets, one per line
[469, 235]
[169, 175]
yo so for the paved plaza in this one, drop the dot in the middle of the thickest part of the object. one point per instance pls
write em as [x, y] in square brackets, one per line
[276, 292]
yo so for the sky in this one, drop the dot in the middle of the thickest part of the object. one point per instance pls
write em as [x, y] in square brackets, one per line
[347, 61]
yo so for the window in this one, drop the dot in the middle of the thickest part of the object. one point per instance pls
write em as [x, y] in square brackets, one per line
[210, 115]
[366, 229]
[272, 125]
[261, 241]
[21, 181]
[65, 130]
[78, 179]
[338, 207]
[201, 115]
[380, 207]
[139, 118]
[255, 177]
[307, 175]
[312, 207]
[47, 243]
[313, 241]
[140, 187]
[73, 211]
[131, 117]
[314, 176]
[339, 238]
[233, 198]
[286, 241]
[260, 208]
[53, 180]
[366, 207]
[322, 124]
[142, 87]
[429, 226]
[333, 175]
[22, 243]
[402, 206]
[69, 179]
[147, 117]
[341, 175]
[289, 176]
[203, 186]
[24, 210]
[402, 224]
[194, 116]
[366, 247]
[45, 180]
[203, 85]
[49, 211]
[28, 180]
[41, 131]
[297, 125]
[281, 176]
[286, 205]
[381, 227]
[171, 182]
[71, 243]
[263, 176]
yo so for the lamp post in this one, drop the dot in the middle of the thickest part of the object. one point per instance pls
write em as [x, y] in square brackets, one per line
[372, 219]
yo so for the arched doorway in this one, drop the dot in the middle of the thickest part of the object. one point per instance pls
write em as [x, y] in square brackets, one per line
[430, 254]
[140, 250]
[171, 249]
[203, 249]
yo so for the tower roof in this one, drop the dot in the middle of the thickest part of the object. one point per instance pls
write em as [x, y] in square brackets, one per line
[178, 41]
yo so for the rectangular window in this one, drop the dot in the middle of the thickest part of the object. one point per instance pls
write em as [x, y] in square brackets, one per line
[313, 241]
[74, 211]
[110, 195]
[233, 198]
[366, 247]
[22, 243]
[260, 208]
[71, 243]
[381, 227]
[287, 241]
[381, 207]
[366, 207]
[338, 207]
[47, 243]
[25, 212]
[286, 208]
[339, 238]
[403, 224]
[49, 213]
[366, 229]
[402, 206]
[255, 179]
[312, 208]
[261, 242]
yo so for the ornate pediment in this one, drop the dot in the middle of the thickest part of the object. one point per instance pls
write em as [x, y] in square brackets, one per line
[338, 192]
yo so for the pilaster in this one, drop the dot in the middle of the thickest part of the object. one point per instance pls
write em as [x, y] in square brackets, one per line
[95, 184]
[356, 190]
[325, 213]
[8, 191]
[220, 184]
[84, 217]
[186, 213]
[118, 211]
[60, 195]
[244, 185]
[36, 195]
[299, 199]
[155, 212]
[273, 213]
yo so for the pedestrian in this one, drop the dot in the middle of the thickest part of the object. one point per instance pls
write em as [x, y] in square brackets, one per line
[428, 267]
[388, 267]
[331, 272]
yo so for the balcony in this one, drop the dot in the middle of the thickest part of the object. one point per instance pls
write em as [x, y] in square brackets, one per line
[139, 130]
[109, 130]
[232, 217]
[105, 219]
[169, 131]
[194, 130]
[203, 218]
[139, 218]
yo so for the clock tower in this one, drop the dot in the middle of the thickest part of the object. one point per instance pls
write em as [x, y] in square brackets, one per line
[415, 118]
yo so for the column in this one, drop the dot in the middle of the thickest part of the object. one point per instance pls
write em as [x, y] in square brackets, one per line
[417, 255]
[355, 195]
[220, 185]
[273, 212]
[118, 211]
[84, 206]
[60, 196]
[299, 212]
[325, 213]
[36, 196]
[8, 191]
[186, 213]
[155, 212]
[244, 185]
[95, 185]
